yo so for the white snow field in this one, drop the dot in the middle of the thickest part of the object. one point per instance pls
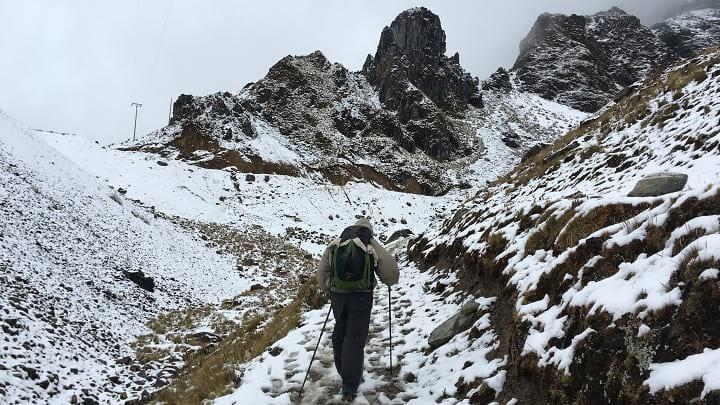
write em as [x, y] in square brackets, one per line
[275, 202]
[68, 311]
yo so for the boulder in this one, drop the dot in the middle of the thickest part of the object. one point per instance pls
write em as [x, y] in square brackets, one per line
[534, 150]
[659, 184]
[459, 322]
[142, 281]
[512, 140]
[206, 337]
[399, 234]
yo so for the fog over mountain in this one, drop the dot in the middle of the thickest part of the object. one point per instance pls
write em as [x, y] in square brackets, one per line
[84, 62]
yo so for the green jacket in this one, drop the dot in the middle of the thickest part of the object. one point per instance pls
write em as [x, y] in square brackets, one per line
[387, 268]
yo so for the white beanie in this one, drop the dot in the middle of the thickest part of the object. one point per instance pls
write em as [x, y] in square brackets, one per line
[364, 223]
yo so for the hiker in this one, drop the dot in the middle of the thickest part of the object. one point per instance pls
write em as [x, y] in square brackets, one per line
[348, 269]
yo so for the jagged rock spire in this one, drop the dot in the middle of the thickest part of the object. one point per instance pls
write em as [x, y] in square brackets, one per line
[412, 51]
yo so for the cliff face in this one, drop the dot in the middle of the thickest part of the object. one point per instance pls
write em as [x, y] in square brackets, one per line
[583, 61]
[691, 31]
[420, 85]
[411, 53]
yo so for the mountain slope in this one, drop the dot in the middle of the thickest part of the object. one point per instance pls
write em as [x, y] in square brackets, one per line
[581, 293]
[83, 270]
[595, 291]
[411, 121]
[691, 31]
[584, 61]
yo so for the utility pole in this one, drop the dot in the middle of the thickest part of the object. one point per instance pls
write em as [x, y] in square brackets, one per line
[170, 112]
[136, 105]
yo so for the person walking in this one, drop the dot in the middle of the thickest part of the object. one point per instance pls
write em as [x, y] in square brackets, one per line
[348, 269]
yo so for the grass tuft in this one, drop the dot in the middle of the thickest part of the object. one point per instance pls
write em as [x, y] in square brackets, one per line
[210, 376]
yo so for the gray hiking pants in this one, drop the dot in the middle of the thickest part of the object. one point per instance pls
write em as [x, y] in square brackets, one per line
[352, 322]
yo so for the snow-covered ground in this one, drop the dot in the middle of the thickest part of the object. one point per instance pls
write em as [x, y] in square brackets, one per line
[275, 202]
[418, 377]
[540, 217]
[68, 311]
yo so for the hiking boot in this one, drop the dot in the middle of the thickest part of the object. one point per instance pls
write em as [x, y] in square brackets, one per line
[348, 392]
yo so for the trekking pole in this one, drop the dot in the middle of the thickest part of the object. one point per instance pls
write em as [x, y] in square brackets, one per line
[390, 320]
[313, 356]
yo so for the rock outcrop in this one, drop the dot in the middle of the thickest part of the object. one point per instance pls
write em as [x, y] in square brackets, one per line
[690, 32]
[583, 61]
[459, 322]
[411, 53]
[659, 184]
[404, 116]
[420, 84]
[500, 81]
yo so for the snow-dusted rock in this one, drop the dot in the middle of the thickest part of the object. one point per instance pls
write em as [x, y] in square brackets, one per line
[658, 184]
[459, 322]
[583, 61]
[500, 81]
[419, 85]
[691, 31]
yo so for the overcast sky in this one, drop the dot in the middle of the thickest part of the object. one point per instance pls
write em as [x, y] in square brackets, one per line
[77, 65]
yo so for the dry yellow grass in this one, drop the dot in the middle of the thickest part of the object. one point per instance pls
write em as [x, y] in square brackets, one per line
[208, 376]
[598, 218]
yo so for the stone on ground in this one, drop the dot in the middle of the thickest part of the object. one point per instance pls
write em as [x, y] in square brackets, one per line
[459, 322]
[659, 184]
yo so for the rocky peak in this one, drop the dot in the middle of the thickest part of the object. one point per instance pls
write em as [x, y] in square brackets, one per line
[411, 54]
[415, 32]
[289, 68]
[499, 81]
[420, 87]
[583, 61]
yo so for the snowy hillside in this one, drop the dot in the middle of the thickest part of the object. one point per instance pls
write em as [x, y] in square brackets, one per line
[70, 247]
[304, 211]
[595, 292]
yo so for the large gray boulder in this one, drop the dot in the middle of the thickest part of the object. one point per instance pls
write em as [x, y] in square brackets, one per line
[459, 322]
[658, 184]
